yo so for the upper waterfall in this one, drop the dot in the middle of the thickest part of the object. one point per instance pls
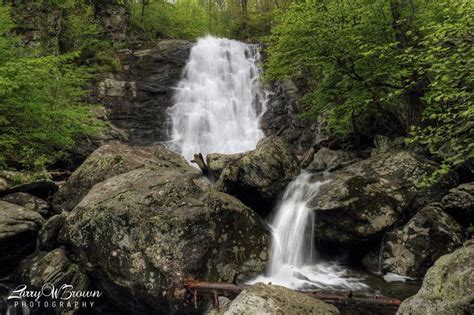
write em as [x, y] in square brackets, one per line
[219, 99]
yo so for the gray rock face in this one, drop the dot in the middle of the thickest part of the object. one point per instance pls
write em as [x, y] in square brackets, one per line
[273, 299]
[53, 268]
[29, 202]
[413, 248]
[145, 231]
[18, 231]
[108, 161]
[330, 160]
[365, 198]
[138, 98]
[260, 175]
[459, 202]
[281, 118]
[447, 286]
[48, 235]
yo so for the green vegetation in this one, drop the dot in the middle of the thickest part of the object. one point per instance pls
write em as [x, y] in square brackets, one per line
[41, 113]
[400, 67]
[190, 19]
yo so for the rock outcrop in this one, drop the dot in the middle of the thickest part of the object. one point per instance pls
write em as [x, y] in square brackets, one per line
[18, 233]
[146, 230]
[410, 250]
[447, 287]
[138, 97]
[459, 203]
[364, 199]
[273, 299]
[53, 268]
[330, 160]
[258, 176]
[48, 235]
[29, 202]
[108, 161]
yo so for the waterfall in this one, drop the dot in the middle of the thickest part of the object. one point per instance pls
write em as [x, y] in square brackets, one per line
[218, 100]
[293, 259]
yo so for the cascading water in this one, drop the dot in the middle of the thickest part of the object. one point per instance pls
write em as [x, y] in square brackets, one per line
[293, 259]
[218, 100]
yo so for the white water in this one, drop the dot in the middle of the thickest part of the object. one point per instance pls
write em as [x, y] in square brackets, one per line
[218, 100]
[293, 258]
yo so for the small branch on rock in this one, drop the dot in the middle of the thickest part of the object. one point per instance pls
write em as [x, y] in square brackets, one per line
[199, 160]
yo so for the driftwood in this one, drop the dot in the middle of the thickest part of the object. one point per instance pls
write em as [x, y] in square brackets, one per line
[199, 160]
[216, 289]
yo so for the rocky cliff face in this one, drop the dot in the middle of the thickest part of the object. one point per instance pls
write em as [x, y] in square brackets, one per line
[138, 97]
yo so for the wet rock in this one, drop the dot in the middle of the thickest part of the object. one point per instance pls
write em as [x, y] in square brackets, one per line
[447, 286]
[282, 118]
[330, 160]
[364, 199]
[272, 299]
[53, 268]
[18, 233]
[410, 250]
[260, 175]
[29, 202]
[108, 161]
[144, 231]
[459, 203]
[139, 96]
[48, 235]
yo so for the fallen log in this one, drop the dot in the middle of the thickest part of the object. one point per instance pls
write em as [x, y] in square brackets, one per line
[216, 289]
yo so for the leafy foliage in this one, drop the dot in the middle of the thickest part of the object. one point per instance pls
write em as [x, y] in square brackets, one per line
[393, 66]
[41, 113]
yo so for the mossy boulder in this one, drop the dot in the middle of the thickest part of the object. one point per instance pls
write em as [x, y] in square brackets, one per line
[258, 176]
[143, 232]
[411, 249]
[110, 160]
[362, 200]
[265, 299]
[459, 203]
[54, 269]
[447, 287]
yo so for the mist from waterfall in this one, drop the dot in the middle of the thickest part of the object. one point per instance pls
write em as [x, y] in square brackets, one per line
[294, 261]
[218, 100]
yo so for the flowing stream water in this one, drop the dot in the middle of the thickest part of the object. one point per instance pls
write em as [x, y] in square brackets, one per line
[294, 260]
[218, 100]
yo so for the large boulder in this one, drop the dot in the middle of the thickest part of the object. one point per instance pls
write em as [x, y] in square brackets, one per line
[143, 232]
[265, 299]
[410, 250]
[447, 286]
[362, 200]
[459, 203]
[258, 177]
[54, 269]
[18, 233]
[107, 161]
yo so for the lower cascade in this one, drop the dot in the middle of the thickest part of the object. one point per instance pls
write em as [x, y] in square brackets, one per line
[294, 261]
[218, 100]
